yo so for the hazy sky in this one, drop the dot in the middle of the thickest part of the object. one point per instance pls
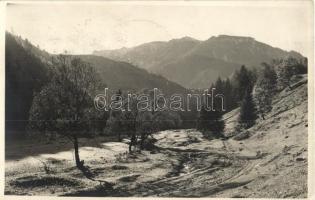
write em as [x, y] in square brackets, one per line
[82, 28]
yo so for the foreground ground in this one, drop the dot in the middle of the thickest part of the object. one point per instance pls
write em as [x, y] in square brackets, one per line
[271, 161]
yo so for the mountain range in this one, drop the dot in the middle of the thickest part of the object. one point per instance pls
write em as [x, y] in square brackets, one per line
[173, 67]
[196, 64]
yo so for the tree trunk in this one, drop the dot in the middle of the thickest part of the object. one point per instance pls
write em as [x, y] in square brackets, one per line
[76, 152]
[132, 141]
[142, 141]
[119, 137]
[130, 145]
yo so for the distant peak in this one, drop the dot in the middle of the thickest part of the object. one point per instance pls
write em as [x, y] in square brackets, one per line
[230, 37]
[186, 38]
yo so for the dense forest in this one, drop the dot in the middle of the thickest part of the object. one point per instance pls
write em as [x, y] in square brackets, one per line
[26, 74]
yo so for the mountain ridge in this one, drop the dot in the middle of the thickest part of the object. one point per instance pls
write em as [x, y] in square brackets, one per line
[142, 79]
[218, 56]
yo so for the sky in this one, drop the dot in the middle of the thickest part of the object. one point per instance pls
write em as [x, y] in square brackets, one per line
[81, 28]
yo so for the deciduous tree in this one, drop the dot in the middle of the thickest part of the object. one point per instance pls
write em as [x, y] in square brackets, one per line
[65, 106]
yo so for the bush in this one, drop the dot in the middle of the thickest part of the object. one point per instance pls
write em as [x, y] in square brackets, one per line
[242, 136]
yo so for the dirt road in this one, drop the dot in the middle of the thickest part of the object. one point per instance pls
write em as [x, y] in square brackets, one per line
[184, 165]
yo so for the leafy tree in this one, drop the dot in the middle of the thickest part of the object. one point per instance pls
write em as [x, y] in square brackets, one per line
[65, 105]
[165, 120]
[287, 68]
[248, 111]
[284, 76]
[115, 119]
[140, 124]
[144, 126]
[210, 122]
[265, 89]
[114, 124]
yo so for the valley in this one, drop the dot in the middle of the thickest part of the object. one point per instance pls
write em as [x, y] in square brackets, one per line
[181, 99]
[182, 163]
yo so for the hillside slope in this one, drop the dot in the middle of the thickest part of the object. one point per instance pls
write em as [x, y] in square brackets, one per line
[115, 74]
[121, 75]
[282, 143]
[25, 74]
[196, 64]
[260, 166]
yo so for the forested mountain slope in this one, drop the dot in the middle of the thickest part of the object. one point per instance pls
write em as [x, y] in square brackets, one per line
[27, 70]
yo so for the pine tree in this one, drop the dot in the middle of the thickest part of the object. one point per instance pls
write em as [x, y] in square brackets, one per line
[270, 75]
[245, 80]
[248, 111]
[230, 101]
[210, 120]
[219, 85]
[265, 89]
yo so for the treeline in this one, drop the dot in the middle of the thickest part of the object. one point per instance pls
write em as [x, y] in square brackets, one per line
[252, 91]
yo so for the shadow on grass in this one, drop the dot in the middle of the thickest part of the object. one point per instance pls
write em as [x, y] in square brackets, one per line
[44, 181]
[104, 189]
[19, 148]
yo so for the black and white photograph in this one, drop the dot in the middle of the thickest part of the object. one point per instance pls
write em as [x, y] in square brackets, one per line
[158, 99]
